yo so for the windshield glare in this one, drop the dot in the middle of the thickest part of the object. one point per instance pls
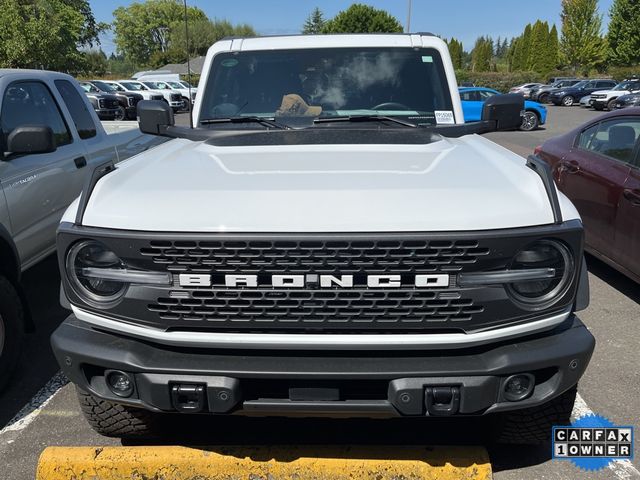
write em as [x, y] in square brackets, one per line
[132, 86]
[105, 86]
[156, 85]
[628, 85]
[399, 82]
[175, 85]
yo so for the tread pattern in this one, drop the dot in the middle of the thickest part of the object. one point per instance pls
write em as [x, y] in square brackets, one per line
[533, 425]
[115, 420]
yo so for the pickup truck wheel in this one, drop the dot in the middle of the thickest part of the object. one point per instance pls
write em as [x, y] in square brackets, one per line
[567, 101]
[533, 426]
[529, 121]
[611, 104]
[115, 420]
[121, 114]
[11, 329]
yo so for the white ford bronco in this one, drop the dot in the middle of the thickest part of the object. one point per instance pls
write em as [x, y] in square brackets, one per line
[330, 239]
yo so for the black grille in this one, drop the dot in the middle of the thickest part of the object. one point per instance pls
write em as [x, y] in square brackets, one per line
[175, 97]
[321, 309]
[346, 257]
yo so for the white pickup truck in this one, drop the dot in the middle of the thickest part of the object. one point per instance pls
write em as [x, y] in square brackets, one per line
[51, 142]
[329, 240]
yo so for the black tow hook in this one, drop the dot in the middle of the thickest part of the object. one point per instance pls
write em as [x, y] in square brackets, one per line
[442, 401]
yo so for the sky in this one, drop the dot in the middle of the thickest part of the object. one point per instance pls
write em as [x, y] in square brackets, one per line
[463, 19]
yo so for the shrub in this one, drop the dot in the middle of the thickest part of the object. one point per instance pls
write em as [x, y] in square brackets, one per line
[501, 81]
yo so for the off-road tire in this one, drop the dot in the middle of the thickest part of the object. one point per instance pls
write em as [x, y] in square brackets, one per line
[532, 426]
[11, 329]
[121, 113]
[116, 420]
[611, 104]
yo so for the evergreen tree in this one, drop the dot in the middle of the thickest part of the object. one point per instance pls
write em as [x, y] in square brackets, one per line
[553, 50]
[314, 22]
[581, 44]
[457, 53]
[624, 32]
[538, 48]
[482, 55]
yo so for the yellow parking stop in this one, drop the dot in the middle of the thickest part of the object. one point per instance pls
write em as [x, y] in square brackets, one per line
[264, 463]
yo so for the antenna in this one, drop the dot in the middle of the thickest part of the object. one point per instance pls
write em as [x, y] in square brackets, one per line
[186, 32]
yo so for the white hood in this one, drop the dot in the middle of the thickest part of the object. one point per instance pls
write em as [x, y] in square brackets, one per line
[452, 184]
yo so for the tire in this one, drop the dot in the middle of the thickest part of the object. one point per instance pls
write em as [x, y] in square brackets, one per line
[532, 426]
[567, 101]
[11, 329]
[543, 98]
[116, 420]
[186, 104]
[598, 107]
[530, 121]
[121, 113]
[611, 104]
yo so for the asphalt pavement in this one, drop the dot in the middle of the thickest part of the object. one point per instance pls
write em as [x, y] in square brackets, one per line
[39, 409]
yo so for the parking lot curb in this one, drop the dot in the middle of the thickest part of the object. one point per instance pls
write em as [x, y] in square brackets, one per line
[264, 463]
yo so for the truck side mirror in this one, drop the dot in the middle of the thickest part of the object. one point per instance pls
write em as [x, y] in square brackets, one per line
[154, 116]
[27, 139]
[505, 111]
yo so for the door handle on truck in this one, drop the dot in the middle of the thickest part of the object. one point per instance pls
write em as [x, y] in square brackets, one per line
[632, 196]
[80, 162]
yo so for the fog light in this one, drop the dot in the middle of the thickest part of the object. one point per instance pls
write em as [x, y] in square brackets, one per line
[120, 383]
[518, 387]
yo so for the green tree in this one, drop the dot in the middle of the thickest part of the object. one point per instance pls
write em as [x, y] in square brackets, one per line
[359, 18]
[537, 60]
[582, 45]
[553, 50]
[314, 22]
[456, 51]
[46, 33]
[95, 63]
[202, 34]
[624, 33]
[482, 55]
[144, 29]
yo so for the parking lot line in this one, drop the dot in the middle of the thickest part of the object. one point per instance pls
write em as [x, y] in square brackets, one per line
[273, 463]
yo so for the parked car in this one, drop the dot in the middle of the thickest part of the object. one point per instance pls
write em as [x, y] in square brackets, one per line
[473, 100]
[626, 101]
[541, 94]
[174, 99]
[172, 82]
[280, 246]
[135, 87]
[105, 105]
[525, 89]
[606, 98]
[128, 100]
[571, 95]
[51, 143]
[597, 166]
[585, 101]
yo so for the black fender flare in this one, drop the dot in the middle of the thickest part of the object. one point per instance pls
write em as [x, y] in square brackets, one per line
[10, 267]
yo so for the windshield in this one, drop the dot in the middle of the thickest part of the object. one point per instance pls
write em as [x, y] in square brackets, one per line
[580, 84]
[156, 85]
[105, 87]
[186, 84]
[399, 82]
[175, 85]
[133, 86]
[627, 85]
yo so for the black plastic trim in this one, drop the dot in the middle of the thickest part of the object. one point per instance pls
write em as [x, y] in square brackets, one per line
[13, 250]
[543, 169]
[98, 172]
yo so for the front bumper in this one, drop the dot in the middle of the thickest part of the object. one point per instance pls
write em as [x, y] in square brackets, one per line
[106, 113]
[341, 383]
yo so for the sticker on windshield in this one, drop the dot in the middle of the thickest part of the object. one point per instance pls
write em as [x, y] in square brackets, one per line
[444, 117]
[427, 59]
[229, 62]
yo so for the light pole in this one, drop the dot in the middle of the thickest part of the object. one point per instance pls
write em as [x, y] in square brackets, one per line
[408, 24]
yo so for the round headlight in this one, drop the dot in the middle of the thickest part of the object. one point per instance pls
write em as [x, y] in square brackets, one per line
[542, 293]
[82, 259]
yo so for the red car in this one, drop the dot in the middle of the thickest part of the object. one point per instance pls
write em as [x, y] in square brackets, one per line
[597, 166]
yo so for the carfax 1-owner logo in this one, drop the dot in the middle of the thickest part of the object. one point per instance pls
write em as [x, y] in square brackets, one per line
[592, 442]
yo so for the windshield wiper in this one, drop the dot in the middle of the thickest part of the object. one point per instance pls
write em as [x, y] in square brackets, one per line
[248, 119]
[364, 118]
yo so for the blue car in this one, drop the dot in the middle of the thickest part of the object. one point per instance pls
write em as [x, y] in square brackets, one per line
[473, 99]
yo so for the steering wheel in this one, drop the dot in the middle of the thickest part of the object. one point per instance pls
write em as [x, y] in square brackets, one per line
[390, 106]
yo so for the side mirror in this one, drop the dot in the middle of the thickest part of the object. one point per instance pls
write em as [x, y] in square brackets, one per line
[504, 111]
[27, 139]
[154, 116]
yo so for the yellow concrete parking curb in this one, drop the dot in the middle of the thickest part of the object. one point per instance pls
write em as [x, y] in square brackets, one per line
[264, 463]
